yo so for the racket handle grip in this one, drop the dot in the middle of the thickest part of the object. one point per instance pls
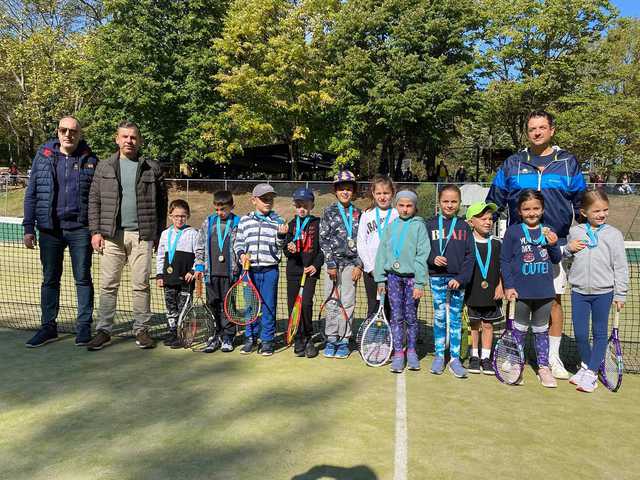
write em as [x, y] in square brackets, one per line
[198, 287]
[246, 265]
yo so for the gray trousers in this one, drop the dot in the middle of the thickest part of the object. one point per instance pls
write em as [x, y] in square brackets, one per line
[335, 327]
[534, 314]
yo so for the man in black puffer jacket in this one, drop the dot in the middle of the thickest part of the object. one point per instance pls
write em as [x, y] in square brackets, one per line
[56, 203]
[127, 214]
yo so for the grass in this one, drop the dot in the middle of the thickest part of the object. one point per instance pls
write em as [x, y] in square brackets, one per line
[124, 413]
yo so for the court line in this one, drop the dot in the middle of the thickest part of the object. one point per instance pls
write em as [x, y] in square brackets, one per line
[401, 447]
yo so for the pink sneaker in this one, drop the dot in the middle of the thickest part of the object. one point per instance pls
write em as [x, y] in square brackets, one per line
[546, 378]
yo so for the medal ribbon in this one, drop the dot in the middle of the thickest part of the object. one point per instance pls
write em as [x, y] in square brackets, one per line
[398, 241]
[441, 232]
[541, 240]
[300, 228]
[171, 247]
[379, 224]
[484, 267]
[222, 238]
[593, 235]
[347, 220]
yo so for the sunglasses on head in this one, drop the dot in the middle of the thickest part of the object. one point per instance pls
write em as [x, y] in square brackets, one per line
[70, 131]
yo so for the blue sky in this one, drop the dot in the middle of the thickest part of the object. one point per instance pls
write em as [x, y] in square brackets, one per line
[628, 8]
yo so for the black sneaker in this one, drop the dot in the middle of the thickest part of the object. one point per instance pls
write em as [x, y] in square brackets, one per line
[487, 366]
[177, 344]
[248, 346]
[298, 347]
[171, 337]
[213, 344]
[144, 340]
[99, 341]
[474, 365]
[267, 349]
[83, 336]
[42, 337]
[311, 350]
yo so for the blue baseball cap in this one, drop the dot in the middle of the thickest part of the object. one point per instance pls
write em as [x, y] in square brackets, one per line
[304, 194]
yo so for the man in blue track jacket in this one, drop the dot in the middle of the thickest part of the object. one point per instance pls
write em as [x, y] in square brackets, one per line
[56, 204]
[556, 173]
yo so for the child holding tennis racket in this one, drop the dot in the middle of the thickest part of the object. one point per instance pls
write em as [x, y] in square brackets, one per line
[373, 223]
[338, 234]
[483, 296]
[260, 238]
[217, 263]
[450, 267]
[599, 276]
[401, 263]
[174, 265]
[304, 258]
[528, 251]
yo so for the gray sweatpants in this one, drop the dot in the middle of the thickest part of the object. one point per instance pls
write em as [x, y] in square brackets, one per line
[533, 313]
[335, 327]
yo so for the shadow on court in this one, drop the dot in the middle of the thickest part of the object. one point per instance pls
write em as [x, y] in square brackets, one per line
[128, 413]
[359, 472]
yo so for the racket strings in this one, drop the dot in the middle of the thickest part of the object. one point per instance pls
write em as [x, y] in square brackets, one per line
[196, 325]
[376, 343]
[508, 359]
[243, 304]
[612, 368]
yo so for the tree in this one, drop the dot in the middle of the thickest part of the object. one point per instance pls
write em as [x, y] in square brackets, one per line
[401, 76]
[272, 73]
[534, 53]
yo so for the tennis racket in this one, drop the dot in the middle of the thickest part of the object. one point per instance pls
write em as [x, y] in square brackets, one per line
[196, 322]
[447, 321]
[242, 302]
[466, 334]
[612, 366]
[296, 312]
[333, 306]
[508, 355]
[377, 343]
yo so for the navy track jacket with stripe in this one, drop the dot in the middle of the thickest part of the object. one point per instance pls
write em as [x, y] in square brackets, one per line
[561, 183]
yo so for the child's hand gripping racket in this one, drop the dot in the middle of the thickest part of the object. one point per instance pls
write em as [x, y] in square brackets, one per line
[612, 366]
[508, 355]
[377, 343]
[196, 322]
[242, 302]
[296, 312]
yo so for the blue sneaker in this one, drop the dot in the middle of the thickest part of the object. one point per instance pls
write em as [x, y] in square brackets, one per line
[455, 367]
[413, 363]
[437, 367]
[330, 350]
[397, 364]
[248, 346]
[42, 337]
[342, 349]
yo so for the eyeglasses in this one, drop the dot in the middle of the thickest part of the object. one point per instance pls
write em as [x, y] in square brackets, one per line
[70, 131]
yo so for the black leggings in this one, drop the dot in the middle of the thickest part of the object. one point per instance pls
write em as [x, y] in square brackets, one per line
[371, 287]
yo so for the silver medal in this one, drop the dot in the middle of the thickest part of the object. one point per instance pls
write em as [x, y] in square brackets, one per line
[396, 265]
[221, 258]
[351, 243]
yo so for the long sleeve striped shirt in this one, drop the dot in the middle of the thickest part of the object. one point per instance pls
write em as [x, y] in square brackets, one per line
[258, 236]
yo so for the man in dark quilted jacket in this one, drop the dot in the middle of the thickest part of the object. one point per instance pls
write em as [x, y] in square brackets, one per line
[55, 204]
[127, 214]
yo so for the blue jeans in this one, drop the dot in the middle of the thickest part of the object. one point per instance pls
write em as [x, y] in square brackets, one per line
[596, 306]
[266, 281]
[52, 246]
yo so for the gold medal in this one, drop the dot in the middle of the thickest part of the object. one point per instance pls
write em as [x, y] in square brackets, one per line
[169, 269]
[484, 284]
[221, 258]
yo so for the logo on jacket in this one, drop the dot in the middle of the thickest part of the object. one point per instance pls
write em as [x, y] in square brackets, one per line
[47, 152]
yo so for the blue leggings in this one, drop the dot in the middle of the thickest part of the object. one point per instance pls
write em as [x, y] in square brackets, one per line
[439, 290]
[596, 306]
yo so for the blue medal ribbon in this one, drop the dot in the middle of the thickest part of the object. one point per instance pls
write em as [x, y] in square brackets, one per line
[441, 232]
[483, 266]
[347, 220]
[593, 235]
[222, 238]
[171, 247]
[379, 224]
[397, 241]
[300, 228]
[541, 240]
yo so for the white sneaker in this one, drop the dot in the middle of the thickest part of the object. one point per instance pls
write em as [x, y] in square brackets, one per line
[588, 383]
[577, 378]
[557, 369]
[546, 378]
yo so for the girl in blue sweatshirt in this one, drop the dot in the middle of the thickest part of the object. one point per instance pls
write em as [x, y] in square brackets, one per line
[528, 251]
[450, 268]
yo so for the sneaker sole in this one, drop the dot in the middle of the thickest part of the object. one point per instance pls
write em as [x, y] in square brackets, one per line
[99, 347]
[145, 347]
[395, 370]
[266, 354]
[487, 372]
[474, 371]
[28, 345]
[414, 369]
[546, 386]
[81, 344]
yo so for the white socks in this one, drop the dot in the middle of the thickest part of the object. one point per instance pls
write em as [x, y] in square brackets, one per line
[486, 353]
[554, 348]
